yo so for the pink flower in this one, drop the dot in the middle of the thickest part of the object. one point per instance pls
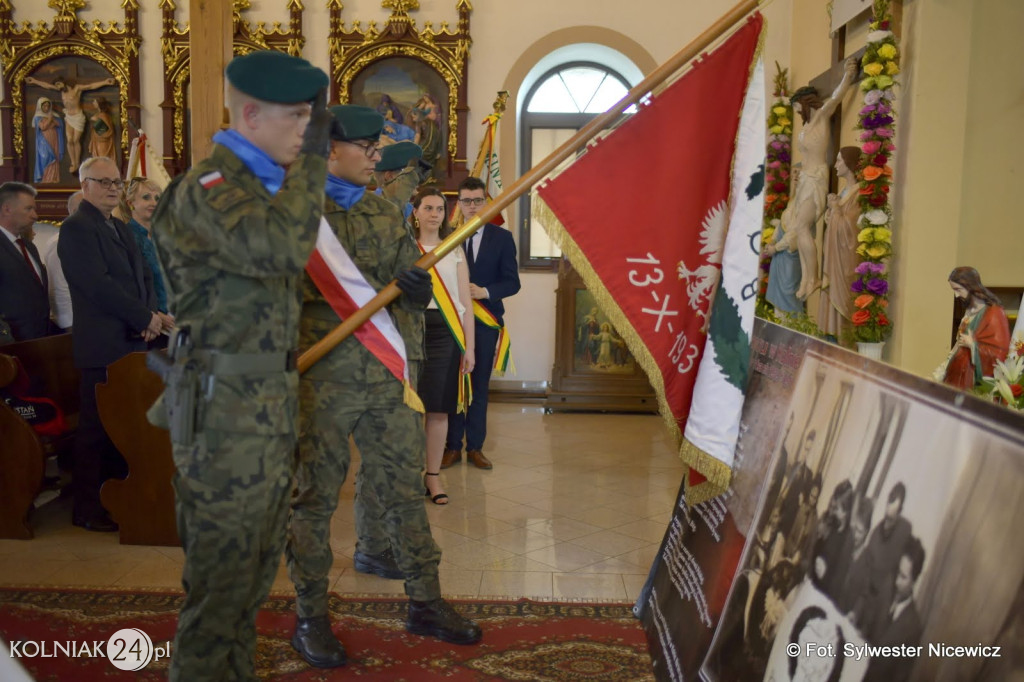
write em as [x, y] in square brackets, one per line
[871, 147]
[867, 135]
[883, 132]
[774, 164]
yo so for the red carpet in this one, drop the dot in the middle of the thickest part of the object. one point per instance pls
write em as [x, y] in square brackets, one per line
[524, 640]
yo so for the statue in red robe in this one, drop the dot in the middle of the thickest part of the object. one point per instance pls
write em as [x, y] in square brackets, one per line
[984, 334]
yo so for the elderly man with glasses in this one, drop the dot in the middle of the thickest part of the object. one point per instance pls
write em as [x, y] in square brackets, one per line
[114, 308]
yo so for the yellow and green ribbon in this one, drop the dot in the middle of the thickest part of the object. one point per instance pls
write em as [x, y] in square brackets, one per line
[503, 353]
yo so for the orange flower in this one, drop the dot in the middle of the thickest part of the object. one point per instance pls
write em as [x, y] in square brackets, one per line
[887, 171]
[769, 198]
[871, 173]
[882, 303]
[867, 190]
[861, 317]
[863, 301]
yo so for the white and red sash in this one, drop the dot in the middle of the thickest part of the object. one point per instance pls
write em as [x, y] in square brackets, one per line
[346, 290]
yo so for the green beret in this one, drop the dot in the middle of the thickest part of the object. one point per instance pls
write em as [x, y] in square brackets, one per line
[397, 156]
[274, 76]
[359, 123]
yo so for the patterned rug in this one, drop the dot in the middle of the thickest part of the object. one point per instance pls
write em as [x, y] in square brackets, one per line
[531, 641]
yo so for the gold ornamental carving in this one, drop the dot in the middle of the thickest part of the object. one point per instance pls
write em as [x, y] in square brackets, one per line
[26, 47]
[442, 48]
[451, 78]
[246, 37]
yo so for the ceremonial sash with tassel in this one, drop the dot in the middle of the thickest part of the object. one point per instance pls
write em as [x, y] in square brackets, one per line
[503, 353]
[346, 290]
[450, 314]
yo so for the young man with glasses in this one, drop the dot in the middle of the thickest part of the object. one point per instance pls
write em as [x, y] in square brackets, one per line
[114, 308]
[351, 392]
[493, 276]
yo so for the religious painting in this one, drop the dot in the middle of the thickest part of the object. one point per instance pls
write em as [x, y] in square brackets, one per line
[598, 347]
[593, 369]
[413, 99]
[72, 112]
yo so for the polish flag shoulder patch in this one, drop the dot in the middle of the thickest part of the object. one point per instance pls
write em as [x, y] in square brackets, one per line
[211, 179]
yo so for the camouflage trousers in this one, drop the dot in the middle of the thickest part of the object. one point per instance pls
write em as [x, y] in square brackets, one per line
[231, 495]
[389, 507]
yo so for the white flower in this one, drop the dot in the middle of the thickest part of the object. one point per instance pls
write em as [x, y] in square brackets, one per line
[876, 217]
[878, 36]
[1008, 371]
[872, 97]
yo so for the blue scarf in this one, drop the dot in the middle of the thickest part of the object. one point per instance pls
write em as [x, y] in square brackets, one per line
[255, 159]
[343, 192]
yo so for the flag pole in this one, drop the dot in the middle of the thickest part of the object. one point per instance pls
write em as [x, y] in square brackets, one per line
[390, 292]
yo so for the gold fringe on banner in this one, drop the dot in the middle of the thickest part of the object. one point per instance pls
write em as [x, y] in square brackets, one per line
[543, 214]
[717, 473]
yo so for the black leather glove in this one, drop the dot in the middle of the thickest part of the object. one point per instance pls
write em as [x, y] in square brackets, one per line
[317, 138]
[415, 285]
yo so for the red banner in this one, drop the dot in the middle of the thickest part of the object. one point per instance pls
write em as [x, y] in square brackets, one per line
[645, 213]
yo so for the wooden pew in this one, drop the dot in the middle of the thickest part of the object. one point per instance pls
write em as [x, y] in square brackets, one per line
[23, 453]
[142, 504]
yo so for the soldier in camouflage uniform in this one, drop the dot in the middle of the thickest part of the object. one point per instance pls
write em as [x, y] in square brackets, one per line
[351, 392]
[396, 179]
[233, 236]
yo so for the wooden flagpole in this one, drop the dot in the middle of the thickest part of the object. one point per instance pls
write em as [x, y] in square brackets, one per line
[531, 177]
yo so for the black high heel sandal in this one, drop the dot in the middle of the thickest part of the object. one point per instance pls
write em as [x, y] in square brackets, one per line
[436, 499]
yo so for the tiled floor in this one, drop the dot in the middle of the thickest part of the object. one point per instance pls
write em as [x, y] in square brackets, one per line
[575, 507]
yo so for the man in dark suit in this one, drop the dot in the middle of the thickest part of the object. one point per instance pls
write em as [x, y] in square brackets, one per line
[885, 546]
[114, 309]
[901, 624]
[493, 276]
[24, 303]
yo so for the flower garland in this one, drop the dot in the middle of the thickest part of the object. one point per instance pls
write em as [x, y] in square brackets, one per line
[777, 172]
[870, 291]
[1006, 385]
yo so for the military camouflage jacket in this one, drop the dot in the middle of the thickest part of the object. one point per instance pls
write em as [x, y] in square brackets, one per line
[400, 190]
[232, 257]
[380, 244]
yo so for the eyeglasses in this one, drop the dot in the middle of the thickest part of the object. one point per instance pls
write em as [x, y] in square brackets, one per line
[369, 148]
[107, 183]
[478, 201]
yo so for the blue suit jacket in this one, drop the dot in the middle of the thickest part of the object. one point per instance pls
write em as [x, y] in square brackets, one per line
[496, 268]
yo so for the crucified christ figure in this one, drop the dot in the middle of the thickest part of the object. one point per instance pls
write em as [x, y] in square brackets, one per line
[807, 204]
[71, 94]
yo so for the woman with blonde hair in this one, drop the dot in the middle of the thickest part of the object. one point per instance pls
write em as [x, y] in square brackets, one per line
[138, 205]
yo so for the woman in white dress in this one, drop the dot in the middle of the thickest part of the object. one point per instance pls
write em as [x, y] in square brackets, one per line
[445, 362]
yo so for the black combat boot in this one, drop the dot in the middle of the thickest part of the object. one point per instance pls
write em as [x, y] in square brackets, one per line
[383, 564]
[317, 644]
[437, 618]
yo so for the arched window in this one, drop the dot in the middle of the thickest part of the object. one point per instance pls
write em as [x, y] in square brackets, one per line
[561, 102]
